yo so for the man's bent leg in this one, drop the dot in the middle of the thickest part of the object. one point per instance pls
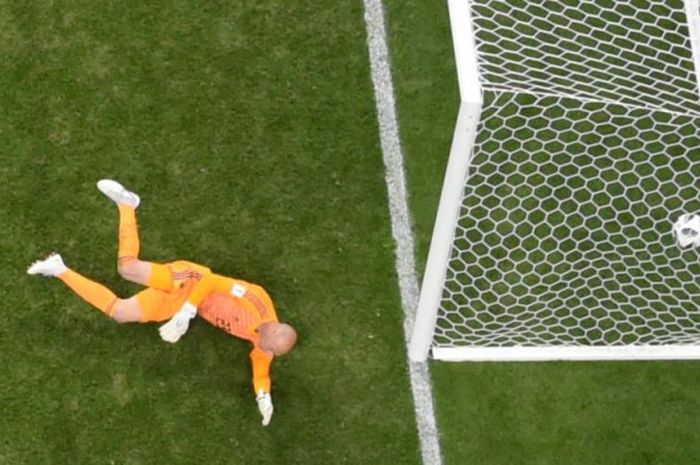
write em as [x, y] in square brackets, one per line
[128, 263]
[129, 244]
[136, 271]
[130, 267]
[90, 291]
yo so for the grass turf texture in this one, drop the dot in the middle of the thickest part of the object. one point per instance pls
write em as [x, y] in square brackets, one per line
[574, 413]
[249, 130]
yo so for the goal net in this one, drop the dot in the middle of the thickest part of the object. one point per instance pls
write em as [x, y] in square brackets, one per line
[576, 148]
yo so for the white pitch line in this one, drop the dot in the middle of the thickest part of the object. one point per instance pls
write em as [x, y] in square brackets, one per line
[400, 222]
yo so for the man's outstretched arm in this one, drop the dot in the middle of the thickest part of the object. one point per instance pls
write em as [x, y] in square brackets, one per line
[178, 325]
[261, 362]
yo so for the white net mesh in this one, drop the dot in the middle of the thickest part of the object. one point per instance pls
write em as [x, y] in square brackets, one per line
[586, 152]
[635, 52]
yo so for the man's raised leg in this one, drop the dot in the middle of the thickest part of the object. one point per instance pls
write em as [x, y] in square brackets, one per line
[128, 263]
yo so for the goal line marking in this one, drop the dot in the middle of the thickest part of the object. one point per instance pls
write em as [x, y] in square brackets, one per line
[400, 222]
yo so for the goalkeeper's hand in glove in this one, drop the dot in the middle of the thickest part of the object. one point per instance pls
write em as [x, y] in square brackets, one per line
[265, 406]
[178, 324]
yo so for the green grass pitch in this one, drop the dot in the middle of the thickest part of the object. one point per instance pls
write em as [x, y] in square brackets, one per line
[249, 130]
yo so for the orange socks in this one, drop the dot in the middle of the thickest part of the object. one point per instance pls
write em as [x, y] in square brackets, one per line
[128, 234]
[90, 291]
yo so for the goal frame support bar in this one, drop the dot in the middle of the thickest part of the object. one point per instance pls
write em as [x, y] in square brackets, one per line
[566, 353]
[453, 185]
[420, 344]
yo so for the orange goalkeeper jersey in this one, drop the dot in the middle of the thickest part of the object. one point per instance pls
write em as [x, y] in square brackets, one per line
[239, 312]
[241, 315]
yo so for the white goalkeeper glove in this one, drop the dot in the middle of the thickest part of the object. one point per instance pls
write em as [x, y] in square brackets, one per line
[265, 406]
[178, 324]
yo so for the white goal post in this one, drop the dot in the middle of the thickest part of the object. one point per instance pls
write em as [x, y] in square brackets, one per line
[576, 146]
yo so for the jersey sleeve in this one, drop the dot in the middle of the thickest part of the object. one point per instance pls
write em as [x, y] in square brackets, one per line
[261, 362]
[208, 285]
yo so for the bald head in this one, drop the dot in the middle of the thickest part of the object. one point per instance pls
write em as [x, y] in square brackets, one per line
[278, 338]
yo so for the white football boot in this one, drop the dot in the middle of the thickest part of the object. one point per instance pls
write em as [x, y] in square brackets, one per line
[50, 266]
[117, 193]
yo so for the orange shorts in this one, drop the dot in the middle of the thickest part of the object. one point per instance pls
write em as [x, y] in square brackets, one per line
[168, 288]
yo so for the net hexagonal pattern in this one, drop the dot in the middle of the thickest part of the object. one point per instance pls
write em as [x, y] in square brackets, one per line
[587, 151]
[634, 52]
[565, 231]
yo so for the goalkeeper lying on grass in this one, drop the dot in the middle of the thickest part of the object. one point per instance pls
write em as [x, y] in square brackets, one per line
[178, 291]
